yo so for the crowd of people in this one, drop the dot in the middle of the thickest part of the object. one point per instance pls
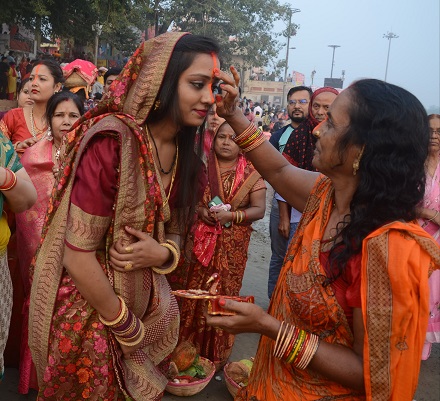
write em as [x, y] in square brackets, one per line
[115, 202]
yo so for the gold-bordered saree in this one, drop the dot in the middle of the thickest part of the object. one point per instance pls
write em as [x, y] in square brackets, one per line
[395, 263]
[57, 309]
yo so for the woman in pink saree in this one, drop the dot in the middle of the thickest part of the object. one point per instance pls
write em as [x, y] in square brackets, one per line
[42, 162]
[430, 221]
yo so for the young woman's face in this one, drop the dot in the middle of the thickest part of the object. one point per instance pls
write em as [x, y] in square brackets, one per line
[64, 116]
[195, 89]
[224, 147]
[24, 97]
[43, 85]
[213, 120]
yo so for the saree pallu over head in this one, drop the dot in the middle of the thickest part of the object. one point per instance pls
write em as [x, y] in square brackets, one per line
[139, 203]
[394, 290]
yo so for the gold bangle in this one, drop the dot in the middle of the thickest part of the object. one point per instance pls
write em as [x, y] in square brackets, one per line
[286, 344]
[172, 246]
[130, 328]
[124, 311]
[135, 342]
[309, 352]
[277, 343]
[433, 217]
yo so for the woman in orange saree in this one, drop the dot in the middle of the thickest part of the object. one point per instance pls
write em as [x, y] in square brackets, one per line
[348, 316]
[218, 248]
[100, 329]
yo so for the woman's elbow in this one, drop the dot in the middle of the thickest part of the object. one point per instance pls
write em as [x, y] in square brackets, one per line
[261, 213]
[31, 196]
[26, 200]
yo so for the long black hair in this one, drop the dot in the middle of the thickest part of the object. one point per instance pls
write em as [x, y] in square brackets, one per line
[392, 125]
[185, 51]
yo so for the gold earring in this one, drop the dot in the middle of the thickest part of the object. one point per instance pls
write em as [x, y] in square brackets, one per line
[357, 161]
[156, 104]
[317, 134]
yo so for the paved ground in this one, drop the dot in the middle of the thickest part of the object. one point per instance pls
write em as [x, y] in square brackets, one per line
[255, 283]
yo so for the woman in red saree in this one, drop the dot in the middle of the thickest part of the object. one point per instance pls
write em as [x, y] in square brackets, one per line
[218, 248]
[100, 329]
[349, 314]
[25, 126]
[42, 162]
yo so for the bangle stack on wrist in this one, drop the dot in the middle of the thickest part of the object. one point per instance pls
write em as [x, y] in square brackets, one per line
[250, 138]
[175, 251]
[127, 328]
[295, 346]
[239, 216]
[10, 180]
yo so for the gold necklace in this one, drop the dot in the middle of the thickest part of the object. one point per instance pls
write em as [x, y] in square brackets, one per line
[173, 176]
[34, 126]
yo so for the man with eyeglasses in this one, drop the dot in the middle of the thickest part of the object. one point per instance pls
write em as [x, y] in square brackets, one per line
[284, 219]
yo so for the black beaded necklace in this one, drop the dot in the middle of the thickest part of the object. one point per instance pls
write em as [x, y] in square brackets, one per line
[158, 158]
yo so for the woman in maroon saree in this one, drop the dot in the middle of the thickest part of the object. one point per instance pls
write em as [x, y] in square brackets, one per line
[221, 242]
[100, 329]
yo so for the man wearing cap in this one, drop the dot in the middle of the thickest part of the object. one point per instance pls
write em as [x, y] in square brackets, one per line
[101, 72]
[98, 86]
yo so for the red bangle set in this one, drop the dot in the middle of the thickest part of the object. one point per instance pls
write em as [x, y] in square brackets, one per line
[250, 138]
[10, 180]
[295, 346]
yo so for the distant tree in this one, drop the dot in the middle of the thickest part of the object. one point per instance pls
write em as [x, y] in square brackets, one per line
[243, 27]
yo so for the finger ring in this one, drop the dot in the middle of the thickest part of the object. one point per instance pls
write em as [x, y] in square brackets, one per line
[129, 249]
[128, 266]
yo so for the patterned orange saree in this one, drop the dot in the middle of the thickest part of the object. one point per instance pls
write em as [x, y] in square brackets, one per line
[394, 290]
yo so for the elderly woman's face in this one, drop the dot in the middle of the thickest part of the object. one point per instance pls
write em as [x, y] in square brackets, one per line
[326, 155]
[65, 115]
[225, 148]
[434, 129]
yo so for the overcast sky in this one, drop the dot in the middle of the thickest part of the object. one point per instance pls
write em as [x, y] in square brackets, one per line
[358, 27]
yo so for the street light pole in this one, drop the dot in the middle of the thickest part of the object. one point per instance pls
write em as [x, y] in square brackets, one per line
[97, 28]
[291, 11]
[333, 58]
[389, 36]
